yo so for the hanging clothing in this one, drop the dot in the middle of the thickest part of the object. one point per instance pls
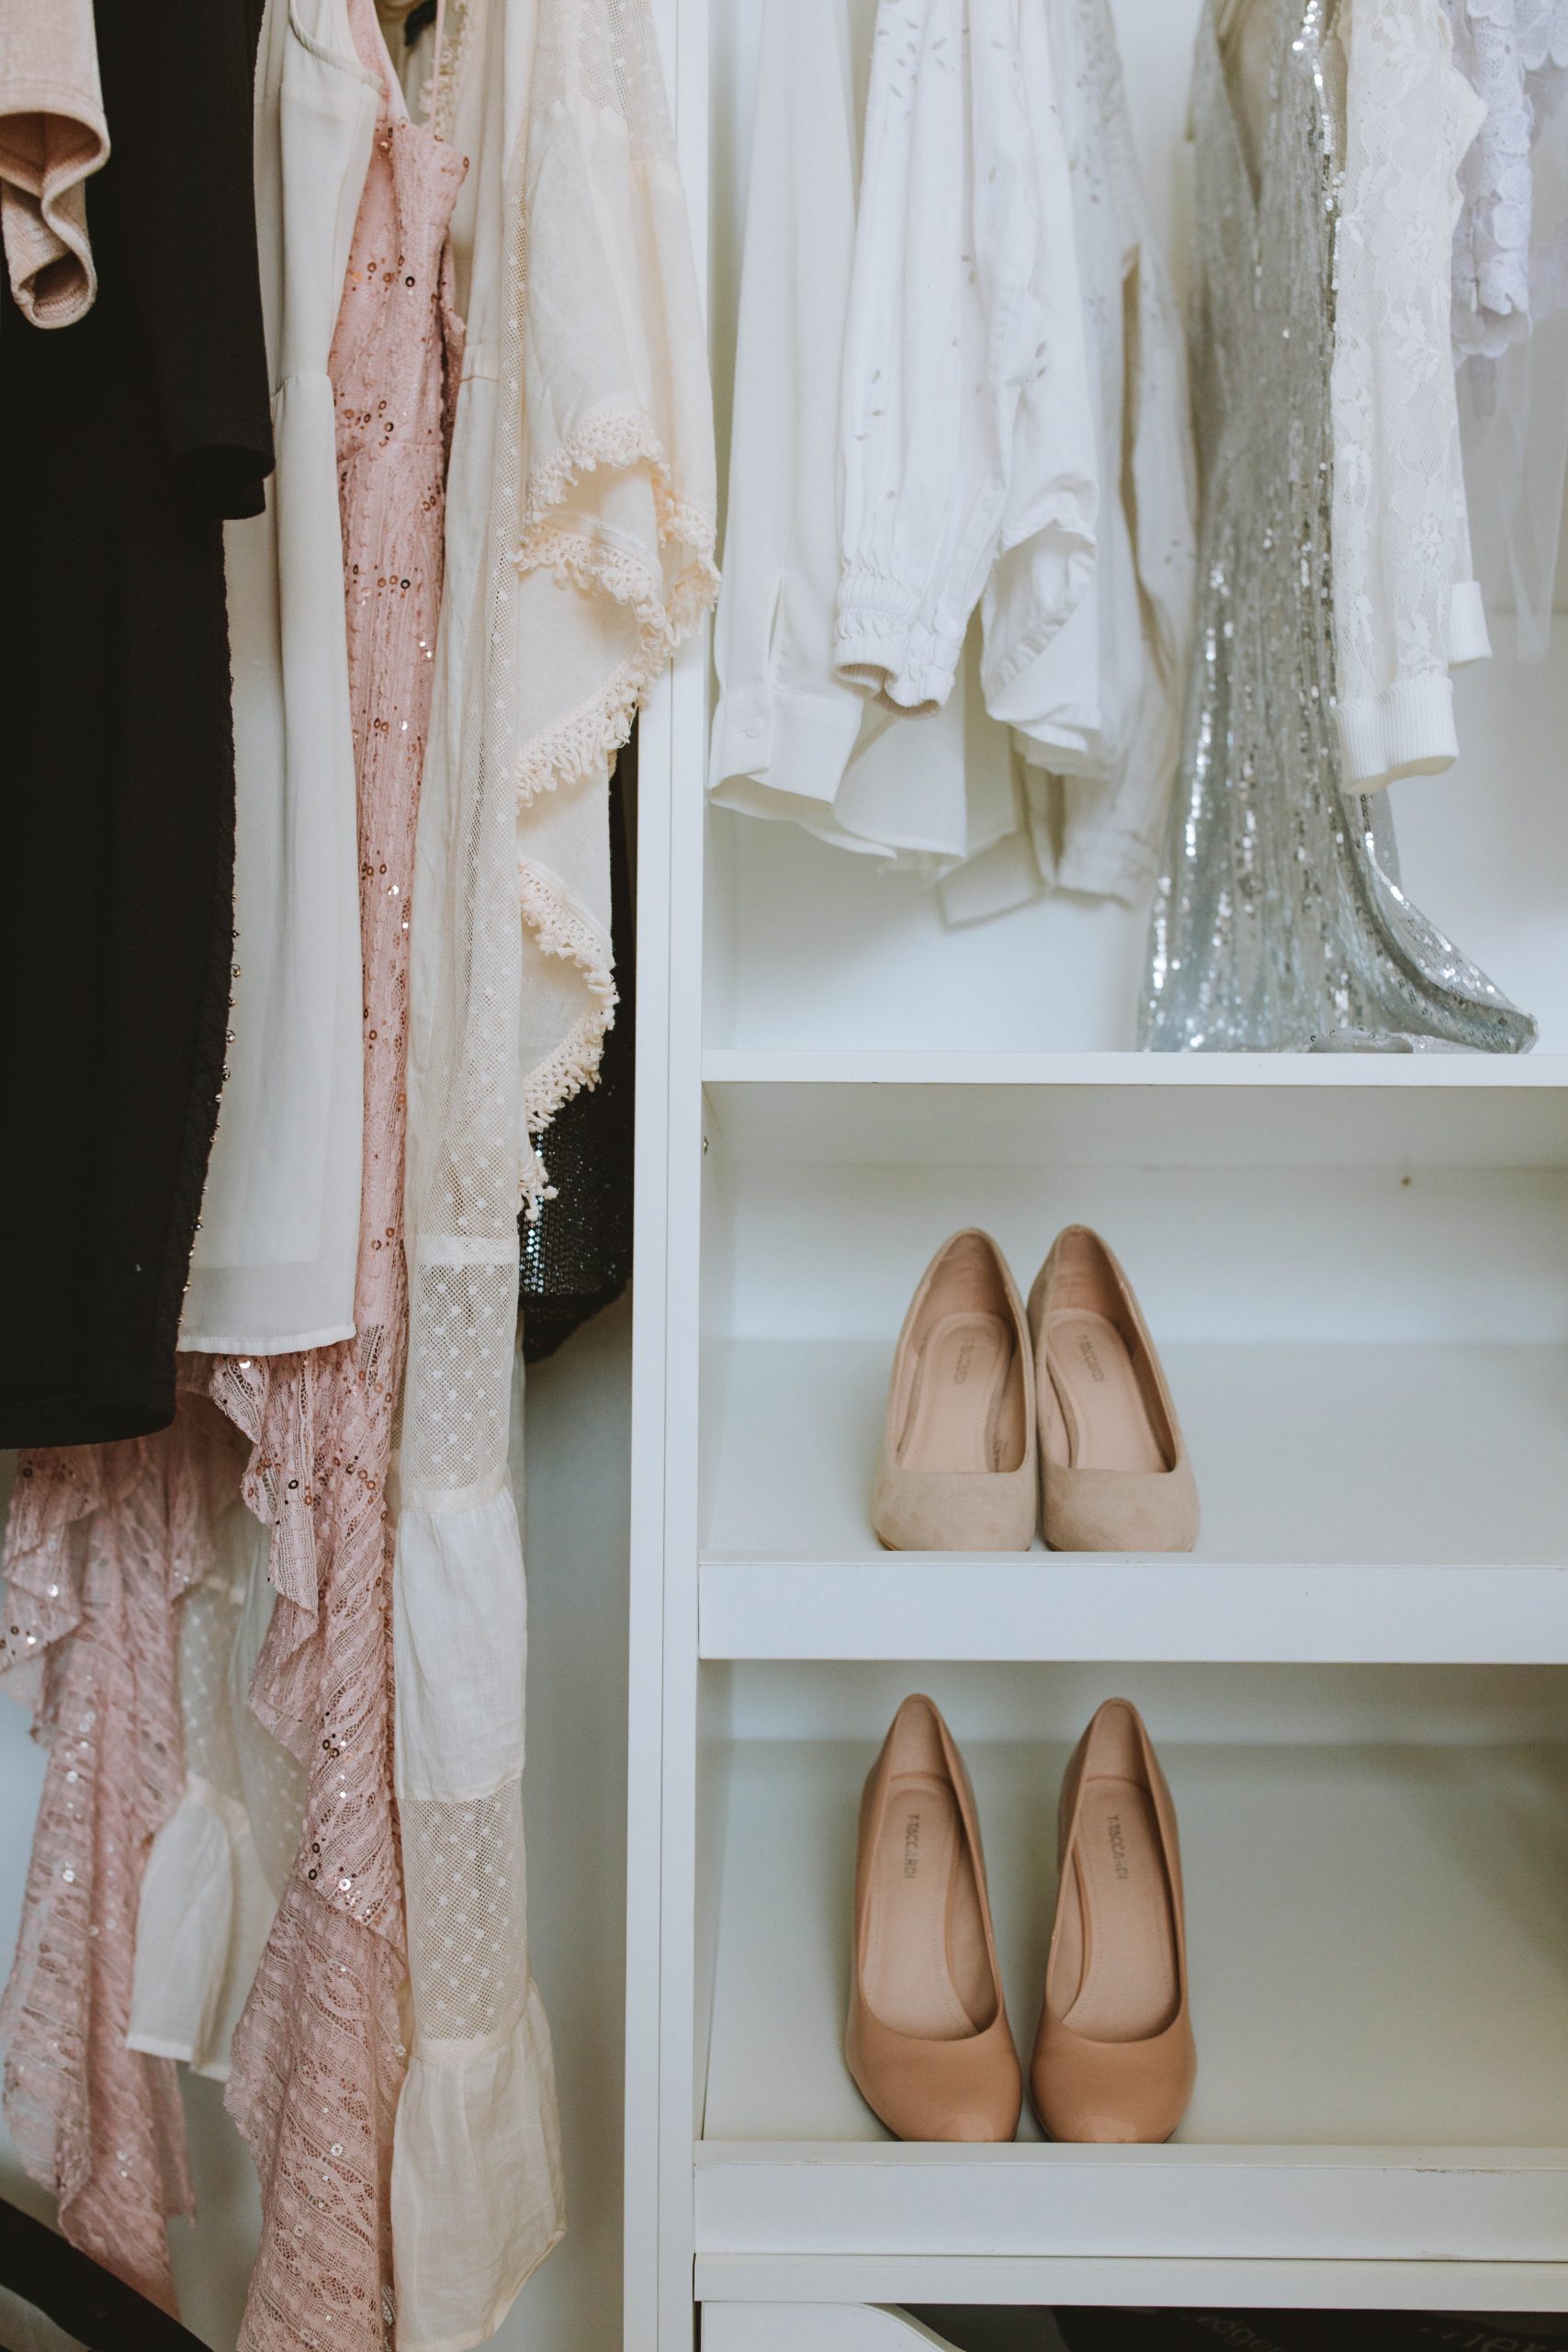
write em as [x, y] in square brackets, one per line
[577, 1253]
[967, 431]
[1513, 339]
[1279, 918]
[324, 2007]
[102, 1544]
[1491, 240]
[274, 1264]
[1100, 709]
[220, 1864]
[790, 738]
[53, 137]
[114, 967]
[1405, 603]
[155, 1523]
[47, 2289]
[581, 501]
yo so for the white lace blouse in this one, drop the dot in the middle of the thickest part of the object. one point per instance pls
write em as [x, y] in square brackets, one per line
[1100, 709]
[967, 426]
[790, 739]
[1405, 604]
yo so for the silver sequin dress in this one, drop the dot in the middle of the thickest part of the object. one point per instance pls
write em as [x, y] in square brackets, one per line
[1278, 921]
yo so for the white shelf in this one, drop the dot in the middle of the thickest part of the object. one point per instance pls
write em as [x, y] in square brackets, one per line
[1357, 1267]
[730, 1065]
[1121, 1111]
[1356, 1459]
[1379, 1963]
[943, 1606]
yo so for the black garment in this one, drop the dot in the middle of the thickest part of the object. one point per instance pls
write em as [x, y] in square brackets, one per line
[94, 2310]
[1093, 2330]
[124, 440]
[577, 1258]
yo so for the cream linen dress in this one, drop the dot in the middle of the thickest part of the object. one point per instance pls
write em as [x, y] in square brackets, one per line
[580, 517]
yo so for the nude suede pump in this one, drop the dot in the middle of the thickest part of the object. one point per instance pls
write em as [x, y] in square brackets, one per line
[1114, 1471]
[1114, 2058]
[958, 1470]
[927, 2041]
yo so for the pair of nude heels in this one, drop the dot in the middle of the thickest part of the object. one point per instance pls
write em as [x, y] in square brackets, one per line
[995, 1420]
[928, 2043]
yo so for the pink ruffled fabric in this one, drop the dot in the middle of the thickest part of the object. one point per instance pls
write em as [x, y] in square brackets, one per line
[319, 2056]
[104, 1540]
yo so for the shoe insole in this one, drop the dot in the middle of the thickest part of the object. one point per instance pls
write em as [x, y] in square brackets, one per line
[924, 1967]
[966, 1407]
[1097, 1385]
[1116, 1933]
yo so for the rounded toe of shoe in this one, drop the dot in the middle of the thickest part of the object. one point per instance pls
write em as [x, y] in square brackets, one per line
[1126, 2128]
[975, 2128]
[970, 2091]
[1118, 1510]
[934, 1511]
[1115, 2094]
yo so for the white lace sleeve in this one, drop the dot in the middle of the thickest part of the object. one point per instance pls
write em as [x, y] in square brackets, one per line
[1491, 249]
[1410, 116]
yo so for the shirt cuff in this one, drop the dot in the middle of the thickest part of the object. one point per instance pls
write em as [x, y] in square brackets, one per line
[1408, 730]
[881, 643]
[788, 743]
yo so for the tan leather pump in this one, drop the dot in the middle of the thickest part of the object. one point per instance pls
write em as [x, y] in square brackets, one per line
[1114, 1471]
[958, 1458]
[1114, 2057]
[928, 2042]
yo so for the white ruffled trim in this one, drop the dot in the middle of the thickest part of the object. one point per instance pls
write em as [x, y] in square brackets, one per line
[588, 737]
[592, 734]
[560, 929]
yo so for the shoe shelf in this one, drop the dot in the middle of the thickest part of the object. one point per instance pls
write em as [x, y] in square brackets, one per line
[1356, 1268]
[1377, 1948]
[1311, 1550]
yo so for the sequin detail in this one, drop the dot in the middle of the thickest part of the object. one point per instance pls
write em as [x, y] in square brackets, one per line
[318, 2054]
[1278, 919]
[105, 1540]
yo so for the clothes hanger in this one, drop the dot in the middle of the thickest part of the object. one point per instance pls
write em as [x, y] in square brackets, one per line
[86, 2301]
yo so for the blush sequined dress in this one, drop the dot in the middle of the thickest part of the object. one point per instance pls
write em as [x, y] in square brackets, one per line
[107, 1540]
[319, 2054]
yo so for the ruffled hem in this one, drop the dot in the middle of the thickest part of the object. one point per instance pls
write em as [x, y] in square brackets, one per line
[489, 2110]
[586, 739]
[562, 930]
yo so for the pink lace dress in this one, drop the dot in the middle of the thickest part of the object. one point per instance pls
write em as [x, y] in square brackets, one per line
[93, 1573]
[103, 1543]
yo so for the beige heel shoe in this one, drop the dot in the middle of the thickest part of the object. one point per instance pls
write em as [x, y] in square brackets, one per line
[927, 2041]
[1114, 1471]
[958, 1468]
[1114, 2058]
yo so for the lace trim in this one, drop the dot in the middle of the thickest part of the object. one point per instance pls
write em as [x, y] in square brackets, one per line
[439, 98]
[588, 737]
[623, 438]
[560, 929]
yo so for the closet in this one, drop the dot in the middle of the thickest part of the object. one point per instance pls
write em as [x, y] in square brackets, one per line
[1357, 1268]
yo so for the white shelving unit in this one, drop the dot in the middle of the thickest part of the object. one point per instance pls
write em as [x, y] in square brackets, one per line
[1358, 1269]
